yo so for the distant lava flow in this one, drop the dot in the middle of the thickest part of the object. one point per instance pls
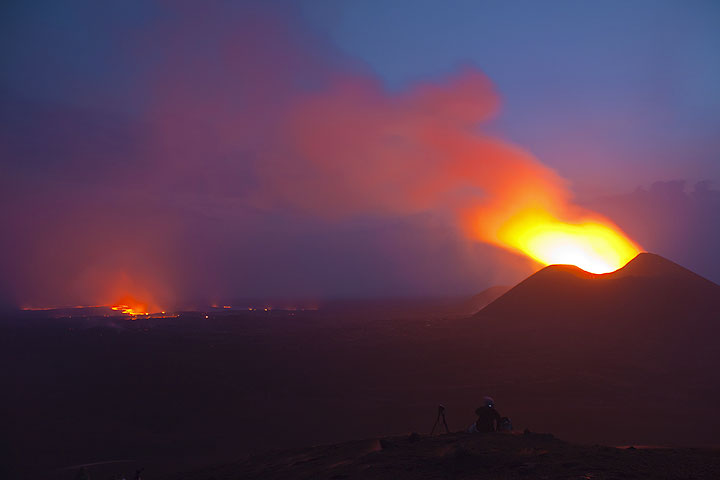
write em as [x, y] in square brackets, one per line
[128, 310]
[131, 306]
[593, 244]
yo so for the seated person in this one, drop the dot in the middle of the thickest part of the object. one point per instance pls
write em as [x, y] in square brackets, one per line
[488, 418]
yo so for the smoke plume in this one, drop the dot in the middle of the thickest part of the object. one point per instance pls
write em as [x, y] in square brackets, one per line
[246, 133]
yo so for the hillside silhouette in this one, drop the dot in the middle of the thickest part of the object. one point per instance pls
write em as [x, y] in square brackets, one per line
[642, 340]
[649, 296]
[484, 298]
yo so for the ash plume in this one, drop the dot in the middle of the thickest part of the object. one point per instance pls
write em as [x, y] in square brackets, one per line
[248, 134]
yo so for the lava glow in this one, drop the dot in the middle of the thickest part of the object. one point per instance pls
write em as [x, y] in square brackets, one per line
[128, 310]
[130, 306]
[594, 245]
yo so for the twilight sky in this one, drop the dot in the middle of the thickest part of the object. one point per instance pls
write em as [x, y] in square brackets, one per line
[210, 151]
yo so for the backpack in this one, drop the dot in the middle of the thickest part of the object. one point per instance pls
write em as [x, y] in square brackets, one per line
[504, 425]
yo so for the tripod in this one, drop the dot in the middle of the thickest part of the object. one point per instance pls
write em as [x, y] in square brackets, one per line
[441, 413]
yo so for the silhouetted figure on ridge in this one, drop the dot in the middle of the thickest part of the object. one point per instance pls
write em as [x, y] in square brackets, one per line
[488, 419]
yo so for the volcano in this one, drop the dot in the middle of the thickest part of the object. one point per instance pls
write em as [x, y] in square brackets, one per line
[641, 340]
[651, 311]
[648, 296]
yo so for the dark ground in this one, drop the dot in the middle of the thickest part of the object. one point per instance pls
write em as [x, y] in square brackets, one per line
[465, 456]
[174, 394]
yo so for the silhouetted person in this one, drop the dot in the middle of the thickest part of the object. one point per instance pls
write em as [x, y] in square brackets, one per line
[137, 474]
[488, 418]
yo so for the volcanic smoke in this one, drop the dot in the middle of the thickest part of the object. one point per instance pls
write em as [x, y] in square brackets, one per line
[422, 150]
[276, 121]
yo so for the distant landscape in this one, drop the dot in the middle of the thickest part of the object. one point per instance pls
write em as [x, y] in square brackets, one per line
[593, 360]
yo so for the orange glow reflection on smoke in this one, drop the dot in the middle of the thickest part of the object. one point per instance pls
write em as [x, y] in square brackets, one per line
[592, 243]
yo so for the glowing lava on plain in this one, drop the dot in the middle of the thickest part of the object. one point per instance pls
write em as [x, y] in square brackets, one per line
[130, 306]
[593, 244]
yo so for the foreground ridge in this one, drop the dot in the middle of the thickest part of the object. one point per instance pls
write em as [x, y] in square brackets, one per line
[462, 455]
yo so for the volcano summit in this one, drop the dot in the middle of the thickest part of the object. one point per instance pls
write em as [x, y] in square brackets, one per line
[649, 291]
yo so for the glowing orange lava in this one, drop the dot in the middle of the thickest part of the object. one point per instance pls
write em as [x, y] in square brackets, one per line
[131, 306]
[593, 244]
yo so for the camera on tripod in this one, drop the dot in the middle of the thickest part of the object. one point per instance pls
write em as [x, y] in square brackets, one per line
[440, 414]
